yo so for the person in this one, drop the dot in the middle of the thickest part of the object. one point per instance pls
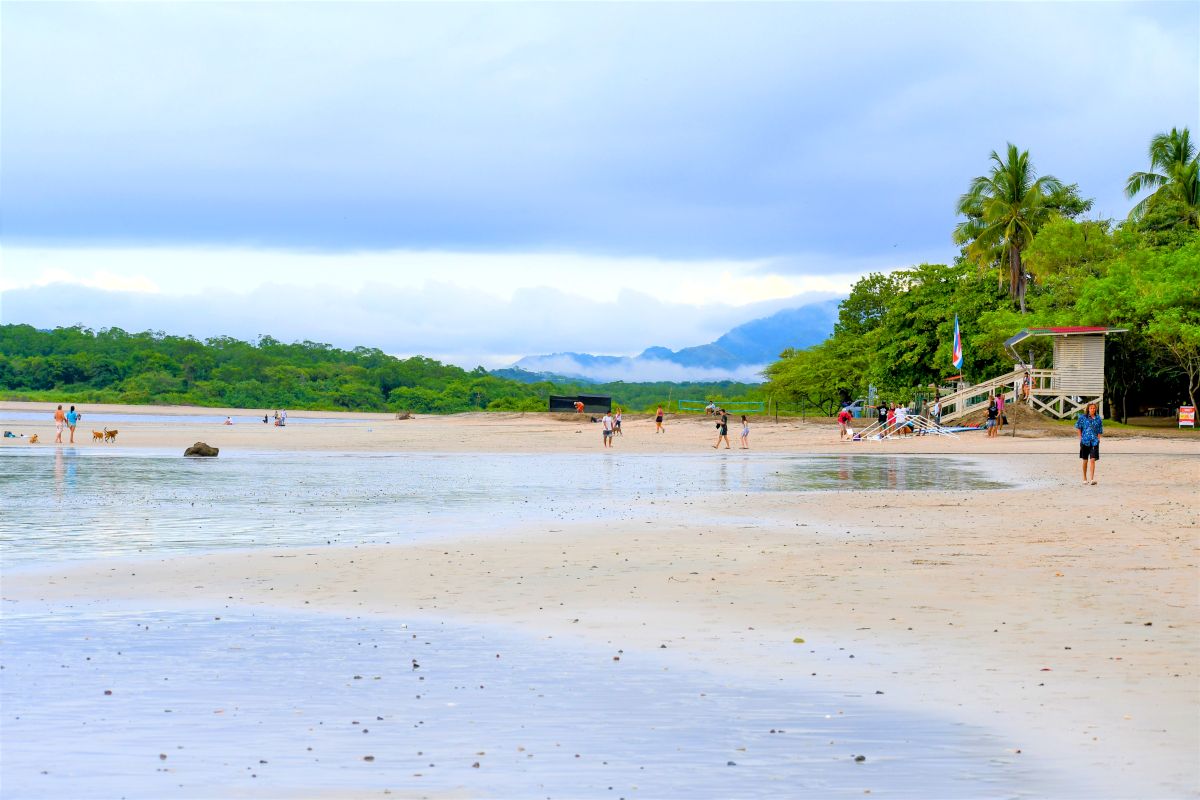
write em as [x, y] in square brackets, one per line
[1026, 383]
[722, 429]
[658, 419]
[891, 414]
[991, 418]
[999, 412]
[935, 412]
[1091, 428]
[72, 420]
[607, 433]
[265, 420]
[882, 414]
[617, 423]
[843, 419]
[578, 406]
[229, 420]
[711, 408]
[745, 433]
[60, 419]
[283, 417]
[901, 420]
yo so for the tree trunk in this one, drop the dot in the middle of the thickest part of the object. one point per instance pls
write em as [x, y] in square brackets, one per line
[1017, 275]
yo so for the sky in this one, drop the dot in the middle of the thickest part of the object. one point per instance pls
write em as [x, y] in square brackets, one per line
[479, 182]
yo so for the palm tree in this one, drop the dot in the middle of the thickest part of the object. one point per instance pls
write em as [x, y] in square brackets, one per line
[1004, 209]
[1178, 178]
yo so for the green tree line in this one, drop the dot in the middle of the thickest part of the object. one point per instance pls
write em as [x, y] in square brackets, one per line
[1029, 258]
[80, 365]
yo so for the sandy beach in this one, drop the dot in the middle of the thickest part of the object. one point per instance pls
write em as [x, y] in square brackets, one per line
[1062, 616]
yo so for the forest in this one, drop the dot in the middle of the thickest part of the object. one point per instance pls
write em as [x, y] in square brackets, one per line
[1029, 256]
[80, 365]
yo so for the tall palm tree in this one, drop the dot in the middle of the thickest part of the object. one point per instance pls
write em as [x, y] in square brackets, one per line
[1004, 209]
[1178, 176]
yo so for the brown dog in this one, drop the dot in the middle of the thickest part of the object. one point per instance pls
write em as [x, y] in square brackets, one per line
[97, 436]
[33, 439]
[110, 436]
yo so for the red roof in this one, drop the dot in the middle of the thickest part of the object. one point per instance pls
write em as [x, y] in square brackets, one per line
[1074, 329]
[1025, 334]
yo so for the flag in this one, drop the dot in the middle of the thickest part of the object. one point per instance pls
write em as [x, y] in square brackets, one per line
[956, 356]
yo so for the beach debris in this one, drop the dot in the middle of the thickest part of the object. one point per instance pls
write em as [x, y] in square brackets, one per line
[860, 759]
[798, 640]
[202, 449]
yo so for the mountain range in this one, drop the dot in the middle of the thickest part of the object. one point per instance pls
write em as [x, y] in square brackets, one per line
[739, 354]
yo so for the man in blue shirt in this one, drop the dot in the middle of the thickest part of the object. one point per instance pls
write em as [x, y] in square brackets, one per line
[1090, 428]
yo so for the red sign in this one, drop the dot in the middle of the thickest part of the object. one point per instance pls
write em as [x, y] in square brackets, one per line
[1187, 416]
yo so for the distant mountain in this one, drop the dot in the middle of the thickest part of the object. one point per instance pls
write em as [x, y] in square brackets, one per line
[740, 354]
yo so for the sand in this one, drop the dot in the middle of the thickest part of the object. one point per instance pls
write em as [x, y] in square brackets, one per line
[1062, 615]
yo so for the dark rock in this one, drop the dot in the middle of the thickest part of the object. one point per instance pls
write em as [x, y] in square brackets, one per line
[202, 449]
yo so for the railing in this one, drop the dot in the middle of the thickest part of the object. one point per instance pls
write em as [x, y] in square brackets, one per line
[974, 398]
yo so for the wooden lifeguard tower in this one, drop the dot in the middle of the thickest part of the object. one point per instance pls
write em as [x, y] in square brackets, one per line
[1075, 377]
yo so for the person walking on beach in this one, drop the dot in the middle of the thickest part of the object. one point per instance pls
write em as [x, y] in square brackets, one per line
[73, 420]
[607, 432]
[658, 419]
[745, 433]
[881, 414]
[1091, 428]
[60, 419]
[999, 413]
[617, 423]
[991, 418]
[722, 429]
[901, 419]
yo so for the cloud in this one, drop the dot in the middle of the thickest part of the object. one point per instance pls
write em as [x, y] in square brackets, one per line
[747, 131]
[639, 369]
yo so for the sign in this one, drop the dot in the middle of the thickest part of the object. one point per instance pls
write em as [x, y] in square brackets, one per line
[1187, 416]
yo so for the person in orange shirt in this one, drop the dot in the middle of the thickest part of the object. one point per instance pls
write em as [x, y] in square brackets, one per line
[60, 419]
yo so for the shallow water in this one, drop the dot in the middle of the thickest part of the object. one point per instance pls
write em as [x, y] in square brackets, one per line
[240, 702]
[71, 503]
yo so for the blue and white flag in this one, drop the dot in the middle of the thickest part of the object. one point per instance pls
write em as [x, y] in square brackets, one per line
[956, 357]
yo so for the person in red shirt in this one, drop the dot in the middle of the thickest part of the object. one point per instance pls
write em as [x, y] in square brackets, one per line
[844, 416]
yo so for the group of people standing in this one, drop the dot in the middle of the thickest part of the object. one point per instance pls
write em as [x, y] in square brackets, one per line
[610, 427]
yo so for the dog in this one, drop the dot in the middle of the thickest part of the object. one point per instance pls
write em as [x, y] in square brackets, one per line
[110, 436]
[97, 436]
[33, 439]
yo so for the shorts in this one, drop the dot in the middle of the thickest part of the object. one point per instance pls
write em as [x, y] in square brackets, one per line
[617, 425]
[658, 419]
[607, 434]
[991, 423]
[1091, 451]
[58, 426]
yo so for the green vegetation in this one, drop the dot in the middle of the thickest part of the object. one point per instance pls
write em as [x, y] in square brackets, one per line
[894, 331]
[113, 366]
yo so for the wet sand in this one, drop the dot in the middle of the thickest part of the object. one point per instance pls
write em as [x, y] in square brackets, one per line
[1062, 616]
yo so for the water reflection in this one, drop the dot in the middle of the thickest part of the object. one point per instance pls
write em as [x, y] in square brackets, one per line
[80, 503]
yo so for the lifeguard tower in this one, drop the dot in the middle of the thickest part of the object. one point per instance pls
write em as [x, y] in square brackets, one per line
[1075, 377]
